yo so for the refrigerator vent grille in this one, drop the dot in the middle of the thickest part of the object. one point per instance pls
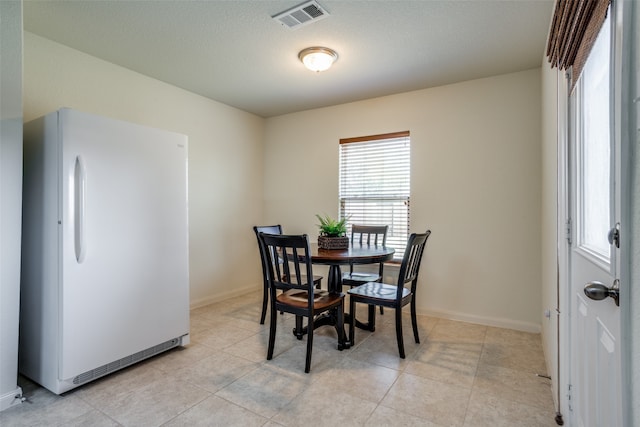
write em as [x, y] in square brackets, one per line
[125, 361]
[300, 15]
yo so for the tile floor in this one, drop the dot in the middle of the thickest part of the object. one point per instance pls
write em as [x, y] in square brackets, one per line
[460, 375]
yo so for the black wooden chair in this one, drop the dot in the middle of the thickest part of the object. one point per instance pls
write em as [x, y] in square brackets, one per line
[393, 296]
[294, 277]
[271, 229]
[366, 235]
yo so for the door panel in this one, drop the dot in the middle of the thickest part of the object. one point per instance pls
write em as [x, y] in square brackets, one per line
[580, 384]
[596, 379]
[595, 324]
[607, 363]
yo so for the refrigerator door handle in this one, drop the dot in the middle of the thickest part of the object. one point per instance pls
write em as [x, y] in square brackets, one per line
[80, 184]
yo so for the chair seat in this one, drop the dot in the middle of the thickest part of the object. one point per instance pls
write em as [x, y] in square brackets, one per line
[298, 298]
[359, 278]
[378, 291]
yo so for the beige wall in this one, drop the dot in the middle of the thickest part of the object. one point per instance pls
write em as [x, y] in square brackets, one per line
[225, 153]
[476, 176]
[10, 197]
[476, 183]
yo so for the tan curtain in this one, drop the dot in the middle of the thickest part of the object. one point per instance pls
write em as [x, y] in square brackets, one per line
[575, 26]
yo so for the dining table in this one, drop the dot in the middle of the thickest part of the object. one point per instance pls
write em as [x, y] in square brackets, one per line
[355, 254]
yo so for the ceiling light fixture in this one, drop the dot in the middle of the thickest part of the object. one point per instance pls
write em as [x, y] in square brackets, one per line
[318, 58]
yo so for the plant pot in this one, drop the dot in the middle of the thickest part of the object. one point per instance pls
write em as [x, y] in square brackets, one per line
[326, 242]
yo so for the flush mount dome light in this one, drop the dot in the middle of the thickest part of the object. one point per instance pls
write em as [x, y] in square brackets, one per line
[318, 58]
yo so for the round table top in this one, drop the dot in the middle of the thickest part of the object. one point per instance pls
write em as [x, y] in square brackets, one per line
[355, 254]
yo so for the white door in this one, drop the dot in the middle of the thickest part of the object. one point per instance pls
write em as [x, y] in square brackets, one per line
[595, 353]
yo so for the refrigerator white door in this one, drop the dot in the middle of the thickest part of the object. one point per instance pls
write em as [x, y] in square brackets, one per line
[124, 240]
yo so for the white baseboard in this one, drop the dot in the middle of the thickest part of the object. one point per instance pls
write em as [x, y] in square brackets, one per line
[236, 292]
[10, 399]
[483, 320]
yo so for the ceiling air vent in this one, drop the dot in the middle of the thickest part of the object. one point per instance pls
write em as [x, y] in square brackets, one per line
[300, 15]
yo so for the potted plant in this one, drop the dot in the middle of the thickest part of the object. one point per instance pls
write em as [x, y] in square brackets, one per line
[332, 233]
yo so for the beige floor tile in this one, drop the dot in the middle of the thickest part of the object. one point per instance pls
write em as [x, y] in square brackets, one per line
[425, 323]
[461, 373]
[215, 411]
[386, 329]
[514, 349]
[119, 384]
[246, 315]
[451, 330]
[200, 326]
[224, 307]
[517, 386]
[153, 404]
[437, 402]
[383, 350]
[326, 338]
[246, 302]
[527, 357]
[265, 390]
[216, 371]
[324, 405]
[255, 347]
[44, 409]
[94, 418]
[446, 361]
[180, 357]
[491, 411]
[250, 324]
[222, 337]
[387, 417]
[511, 337]
[283, 320]
[293, 359]
[361, 379]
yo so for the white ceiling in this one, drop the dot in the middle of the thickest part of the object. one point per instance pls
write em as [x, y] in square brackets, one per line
[235, 53]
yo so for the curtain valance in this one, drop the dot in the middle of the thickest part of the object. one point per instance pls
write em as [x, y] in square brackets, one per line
[574, 29]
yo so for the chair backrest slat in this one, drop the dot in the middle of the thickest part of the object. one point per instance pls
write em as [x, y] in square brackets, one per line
[369, 234]
[411, 261]
[296, 264]
[294, 251]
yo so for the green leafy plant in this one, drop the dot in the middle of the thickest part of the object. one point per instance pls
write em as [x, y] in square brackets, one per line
[331, 227]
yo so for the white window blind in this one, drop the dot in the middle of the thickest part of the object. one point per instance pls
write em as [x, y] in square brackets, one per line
[375, 184]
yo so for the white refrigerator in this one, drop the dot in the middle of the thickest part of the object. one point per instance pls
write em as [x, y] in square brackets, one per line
[105, 267]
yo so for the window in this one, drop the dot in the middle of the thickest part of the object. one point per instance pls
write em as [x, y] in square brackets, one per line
[594, 148]
[375, 184]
